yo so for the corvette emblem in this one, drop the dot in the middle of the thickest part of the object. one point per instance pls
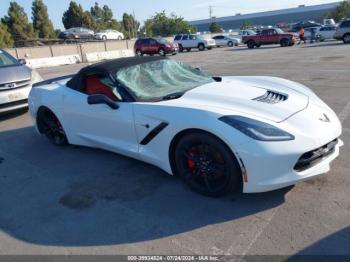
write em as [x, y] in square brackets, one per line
[325, 118]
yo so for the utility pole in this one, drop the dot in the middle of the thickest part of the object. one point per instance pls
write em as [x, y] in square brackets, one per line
[211, 14]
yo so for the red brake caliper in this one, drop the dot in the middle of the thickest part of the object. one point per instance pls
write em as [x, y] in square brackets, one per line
[190, 162]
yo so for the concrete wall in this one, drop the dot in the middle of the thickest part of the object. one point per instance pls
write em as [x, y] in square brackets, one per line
[44, 56]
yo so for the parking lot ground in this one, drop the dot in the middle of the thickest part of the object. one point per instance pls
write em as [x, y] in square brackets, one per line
[75, 200]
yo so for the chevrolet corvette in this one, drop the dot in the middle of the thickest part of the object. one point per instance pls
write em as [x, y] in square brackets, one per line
[219, 133]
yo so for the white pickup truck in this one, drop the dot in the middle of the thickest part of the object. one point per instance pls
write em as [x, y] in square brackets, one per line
[189, 41]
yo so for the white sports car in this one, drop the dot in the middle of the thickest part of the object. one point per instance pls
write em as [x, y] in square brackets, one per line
[218, 133]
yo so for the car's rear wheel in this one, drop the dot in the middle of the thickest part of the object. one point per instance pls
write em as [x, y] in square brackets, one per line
[346, 39]
[188, 49]
[250, 44]
[120, 38]
[206, 164]
[201, 47]
[50, 125]
[284, 42]
[139, 52]
[161, 52]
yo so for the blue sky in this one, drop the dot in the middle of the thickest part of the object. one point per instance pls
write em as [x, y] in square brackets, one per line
[189, 9]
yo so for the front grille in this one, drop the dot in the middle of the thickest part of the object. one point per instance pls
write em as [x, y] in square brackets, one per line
[14, 85]
[311, 158]
[12, 104]
[271, 97]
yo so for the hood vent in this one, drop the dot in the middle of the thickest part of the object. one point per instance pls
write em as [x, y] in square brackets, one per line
[271, 97]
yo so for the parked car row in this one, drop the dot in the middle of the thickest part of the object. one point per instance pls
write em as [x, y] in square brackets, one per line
[84, 33]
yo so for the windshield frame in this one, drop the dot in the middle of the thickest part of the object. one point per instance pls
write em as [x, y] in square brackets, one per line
[11, 58]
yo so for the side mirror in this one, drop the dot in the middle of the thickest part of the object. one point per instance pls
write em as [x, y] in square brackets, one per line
[22, 61]
[102, 99]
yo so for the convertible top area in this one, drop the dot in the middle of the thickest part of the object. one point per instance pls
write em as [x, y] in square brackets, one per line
[110, 67]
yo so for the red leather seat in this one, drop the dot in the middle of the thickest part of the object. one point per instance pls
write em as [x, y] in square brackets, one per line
[93, 86]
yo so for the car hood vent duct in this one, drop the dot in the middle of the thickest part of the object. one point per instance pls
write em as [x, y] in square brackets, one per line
[271, 97]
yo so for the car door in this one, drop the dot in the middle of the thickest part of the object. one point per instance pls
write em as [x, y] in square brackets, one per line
[220, 40]
[99, 125]
[145, 46]
[185, 41]
[153, 46]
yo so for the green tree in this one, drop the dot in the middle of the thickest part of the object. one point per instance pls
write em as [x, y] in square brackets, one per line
[340, 12]
[75, 16]
[103, 18]
[246, 25]
[162, 25]
[18, 24]
[5, 37]
[41, 22]
[131, 25]
[214, 27]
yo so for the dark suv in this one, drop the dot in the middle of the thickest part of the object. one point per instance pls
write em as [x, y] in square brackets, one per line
[153, 46]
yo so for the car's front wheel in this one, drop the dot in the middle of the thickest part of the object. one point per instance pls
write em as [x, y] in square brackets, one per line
[346, 39]
[104, 38]
[230, 43]
[51, 127]
[206, 164]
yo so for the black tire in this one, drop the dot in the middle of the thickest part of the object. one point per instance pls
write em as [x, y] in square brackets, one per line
[201, 47]
[138, 52]
[161, 52]
[51, 127]
[188, 49]
[206, 164]
[346, 39]
[284, 42]
[181, 49]
[251, 44]
[104, 38]
[120, 38]
[230, 43]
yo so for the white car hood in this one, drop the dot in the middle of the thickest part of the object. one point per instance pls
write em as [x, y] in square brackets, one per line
[237, 94]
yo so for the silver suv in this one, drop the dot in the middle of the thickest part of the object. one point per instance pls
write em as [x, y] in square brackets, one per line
[343, 32]
[189, 41]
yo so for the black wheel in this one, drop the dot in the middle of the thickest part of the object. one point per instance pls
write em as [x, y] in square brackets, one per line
[201, 47]
[104, 38]
[346, 39]
[251, 44]
[207, 165]
[230, 43]
[181, 49]
[188, 49]
[284, 42]
[139, 52]
[161, 52]
[49, 125]
[120, 38]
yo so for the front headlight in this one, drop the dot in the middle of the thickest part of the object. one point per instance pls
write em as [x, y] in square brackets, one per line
[256, 129]
[36, 77]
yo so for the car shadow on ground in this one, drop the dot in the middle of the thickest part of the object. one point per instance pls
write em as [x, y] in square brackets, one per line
[334, 247]
[244, 48]
[10, 115]
[76, 196]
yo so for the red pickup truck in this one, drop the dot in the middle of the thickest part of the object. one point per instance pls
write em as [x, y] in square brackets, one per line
[268, 37]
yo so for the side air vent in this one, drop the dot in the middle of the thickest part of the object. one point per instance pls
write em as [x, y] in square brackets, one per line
[271, 97]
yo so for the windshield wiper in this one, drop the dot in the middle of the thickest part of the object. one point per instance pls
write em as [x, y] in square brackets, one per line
[173, 96]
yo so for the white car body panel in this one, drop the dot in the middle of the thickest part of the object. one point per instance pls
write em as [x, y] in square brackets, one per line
[12, 96]
[110, 35]
[269, 165]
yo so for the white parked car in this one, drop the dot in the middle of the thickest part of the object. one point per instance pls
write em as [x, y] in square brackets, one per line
[109, 35]
[218, 133]
[16, 80]
[327, 32]
[189, 41]
[224, 40]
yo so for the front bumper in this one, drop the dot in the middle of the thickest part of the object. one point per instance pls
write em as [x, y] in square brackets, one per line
[15, 99]
[273, 165]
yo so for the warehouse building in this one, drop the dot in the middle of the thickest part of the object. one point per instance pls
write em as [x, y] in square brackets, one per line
[290, 15]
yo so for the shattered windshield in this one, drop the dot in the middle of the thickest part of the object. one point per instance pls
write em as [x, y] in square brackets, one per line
[161, 80]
